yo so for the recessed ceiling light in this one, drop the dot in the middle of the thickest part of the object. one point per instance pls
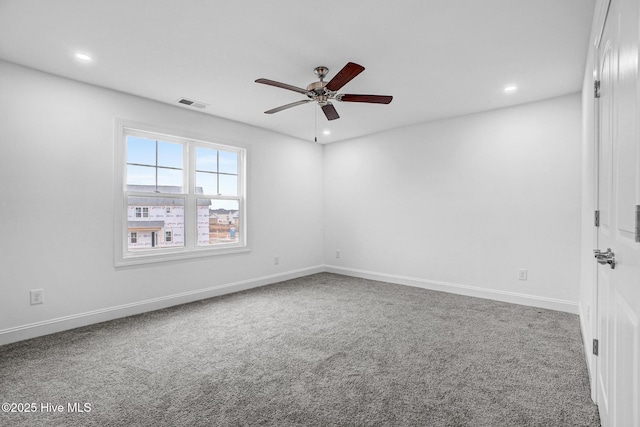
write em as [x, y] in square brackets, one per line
[326, 132]
[83, 57]
[511, 88]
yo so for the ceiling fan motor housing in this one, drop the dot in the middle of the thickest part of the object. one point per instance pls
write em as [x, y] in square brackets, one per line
[318, 92]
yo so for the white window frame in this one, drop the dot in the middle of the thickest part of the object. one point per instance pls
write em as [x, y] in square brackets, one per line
[122, 255]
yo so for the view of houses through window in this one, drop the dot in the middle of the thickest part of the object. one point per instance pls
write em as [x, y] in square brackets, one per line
[158, 222]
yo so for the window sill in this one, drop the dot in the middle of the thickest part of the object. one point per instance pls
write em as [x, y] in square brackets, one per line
[152, 257]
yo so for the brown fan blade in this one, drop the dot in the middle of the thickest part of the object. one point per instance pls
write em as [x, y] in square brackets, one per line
[330, 111]
[344, 76]
[284, 107]
[372, 99]
[282, 85]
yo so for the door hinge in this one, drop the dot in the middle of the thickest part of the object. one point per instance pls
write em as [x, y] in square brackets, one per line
[638, 223]
[595, 347]
[596, 88]
[596, 218]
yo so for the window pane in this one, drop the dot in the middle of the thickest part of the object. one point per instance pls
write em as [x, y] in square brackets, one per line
[206, 159]
[229, 185]
[141, 175]
[165, 218]
[218, 222]
[206, 183]
[141, 150]
[169, 180]
[152, 177]
[228, 162]
[169, 154]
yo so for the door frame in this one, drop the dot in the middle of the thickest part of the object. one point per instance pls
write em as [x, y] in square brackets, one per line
[600, 19]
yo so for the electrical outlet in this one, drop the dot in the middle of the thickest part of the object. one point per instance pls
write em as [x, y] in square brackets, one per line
[337, 254]
[37, 296]
[276, 260]
[522, 274]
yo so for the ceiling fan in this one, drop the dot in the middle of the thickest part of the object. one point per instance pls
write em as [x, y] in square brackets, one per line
[323, 92]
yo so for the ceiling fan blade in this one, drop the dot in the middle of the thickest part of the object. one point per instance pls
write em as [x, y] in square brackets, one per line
[284, 107]
[330, 111]
[373, 99]
[282, 85]
[344, 76]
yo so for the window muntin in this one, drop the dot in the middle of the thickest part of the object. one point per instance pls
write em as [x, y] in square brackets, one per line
[177, 193]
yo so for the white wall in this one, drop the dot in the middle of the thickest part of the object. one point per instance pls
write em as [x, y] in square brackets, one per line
[458, 205]
[462, 204]
[57, 207]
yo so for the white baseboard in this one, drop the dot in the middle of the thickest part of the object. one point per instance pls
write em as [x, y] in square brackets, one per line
[473, 291]
[51, 326]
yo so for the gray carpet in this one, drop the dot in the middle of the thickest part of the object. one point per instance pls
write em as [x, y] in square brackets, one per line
[323, 350]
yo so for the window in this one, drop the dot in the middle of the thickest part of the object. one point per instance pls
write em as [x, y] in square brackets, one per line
[181, 197]
[142, 212]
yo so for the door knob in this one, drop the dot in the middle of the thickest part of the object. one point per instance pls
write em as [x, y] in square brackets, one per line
[606, 257]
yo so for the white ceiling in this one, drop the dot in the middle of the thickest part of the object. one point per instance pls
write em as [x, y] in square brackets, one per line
[438, 58]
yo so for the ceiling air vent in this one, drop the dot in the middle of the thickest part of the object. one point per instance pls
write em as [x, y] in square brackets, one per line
[192, 103]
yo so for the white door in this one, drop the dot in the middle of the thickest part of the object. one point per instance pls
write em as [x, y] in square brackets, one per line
[618, 295]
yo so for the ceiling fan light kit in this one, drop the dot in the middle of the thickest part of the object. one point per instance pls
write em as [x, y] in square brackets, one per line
[323, 92]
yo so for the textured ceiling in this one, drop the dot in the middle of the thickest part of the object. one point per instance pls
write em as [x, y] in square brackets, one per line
[438, 58]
